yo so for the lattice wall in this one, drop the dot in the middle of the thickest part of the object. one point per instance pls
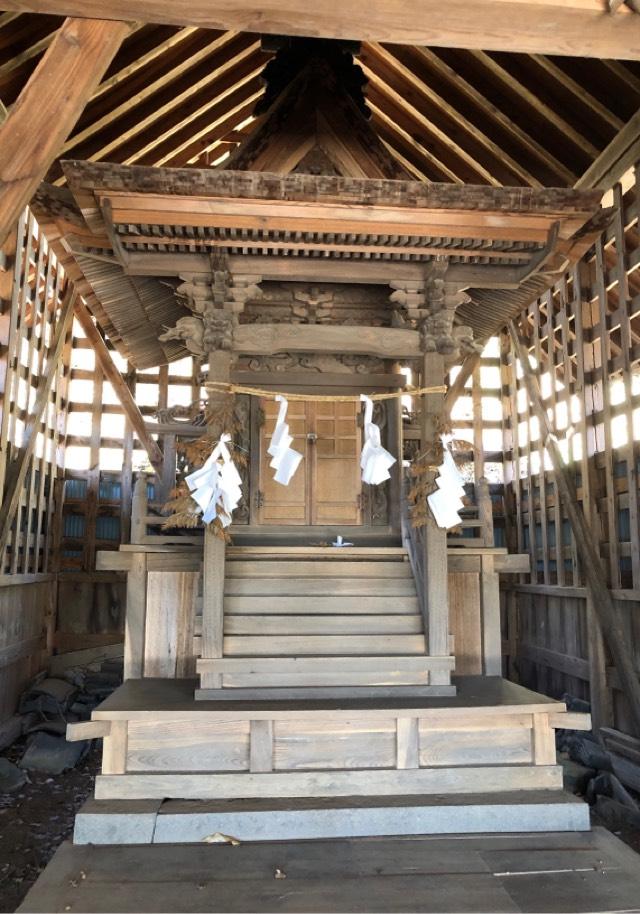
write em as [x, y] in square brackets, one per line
[583, 337]
[33, 317]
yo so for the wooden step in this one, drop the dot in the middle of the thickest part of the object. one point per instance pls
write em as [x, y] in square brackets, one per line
[365, 569]
[377, 664]
[275, 604]
[321, 645]
[320, 586]
[346, 553]
[324, 625]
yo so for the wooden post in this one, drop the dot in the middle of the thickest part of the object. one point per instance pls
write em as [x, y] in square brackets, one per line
[136, 617]
[49, 106]
[594, 572]
[394, 445]
[139, 510]
[214, 546]
[436, 586]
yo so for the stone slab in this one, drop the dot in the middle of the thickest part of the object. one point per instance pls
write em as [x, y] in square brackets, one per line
[118, 822]
[122, 822]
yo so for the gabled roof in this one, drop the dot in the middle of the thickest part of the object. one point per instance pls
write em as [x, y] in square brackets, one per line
[184, 97]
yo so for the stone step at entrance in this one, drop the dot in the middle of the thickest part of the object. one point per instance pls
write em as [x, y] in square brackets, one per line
[184, 822]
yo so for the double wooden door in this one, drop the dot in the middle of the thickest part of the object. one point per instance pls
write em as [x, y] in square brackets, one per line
[326, 488]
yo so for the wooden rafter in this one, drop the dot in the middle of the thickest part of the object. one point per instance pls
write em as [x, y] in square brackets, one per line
[495, 114]
[549, 114]
[174, 98]
[381, 65]
[528, 26]
[215, 102]
[141, 95]
[202, 134]
[580, 92]
[45, 113]
[384, 87]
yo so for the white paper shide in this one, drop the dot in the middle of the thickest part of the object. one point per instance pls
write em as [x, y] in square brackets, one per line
[375, 461]
[284, 460]
[217, 484]
[446, 502]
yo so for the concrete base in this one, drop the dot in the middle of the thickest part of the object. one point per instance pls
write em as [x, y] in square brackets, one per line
[191, 822]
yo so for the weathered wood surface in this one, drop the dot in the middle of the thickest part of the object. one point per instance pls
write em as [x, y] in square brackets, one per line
[339, 783]
[49, 106]
[167, 699]
[102, 179]
[533, 26]
[269, 339]
[474, 874]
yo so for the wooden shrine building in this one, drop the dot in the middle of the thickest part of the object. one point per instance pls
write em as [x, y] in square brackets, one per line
[342, 210]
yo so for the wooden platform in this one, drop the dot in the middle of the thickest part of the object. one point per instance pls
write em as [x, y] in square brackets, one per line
[159, 743]
[555, 873]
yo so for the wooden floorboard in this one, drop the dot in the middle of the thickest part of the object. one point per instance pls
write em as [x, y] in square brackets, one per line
[555, 873]
[165, 697]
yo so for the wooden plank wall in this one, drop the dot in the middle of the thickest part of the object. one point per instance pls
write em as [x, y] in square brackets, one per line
[584, 335]
[32, 287]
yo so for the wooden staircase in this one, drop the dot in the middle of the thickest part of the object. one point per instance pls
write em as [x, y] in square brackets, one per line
[304, 622]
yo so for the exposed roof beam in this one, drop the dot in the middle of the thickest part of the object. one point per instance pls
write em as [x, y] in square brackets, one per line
[559, 75]
[168, 75]
[372, 53]
[618, 157]
[222, 99]
[425, 127]
[28, 54]
[49, 106]
[217, 132]
[413, 144]
[411, 168]
[528, 26]
[623, 73]
[173, 110]
[537, 149]
[142, 60]
[544, 110]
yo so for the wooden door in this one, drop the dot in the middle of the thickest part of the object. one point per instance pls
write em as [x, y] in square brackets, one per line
[326, 488]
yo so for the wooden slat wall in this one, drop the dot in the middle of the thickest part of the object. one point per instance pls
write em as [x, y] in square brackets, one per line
[584, 335]
[28, 321]
[31, 293]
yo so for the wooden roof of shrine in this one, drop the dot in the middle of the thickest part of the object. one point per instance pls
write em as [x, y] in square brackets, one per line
[312, 193]
[128, 227]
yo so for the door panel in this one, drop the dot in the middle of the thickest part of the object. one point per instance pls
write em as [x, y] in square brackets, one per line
[284, 504]
[326, 487]
[337, 472]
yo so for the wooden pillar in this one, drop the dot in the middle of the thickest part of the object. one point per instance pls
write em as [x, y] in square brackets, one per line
[214, 545]
[136, 618]
[436, 588]
[394, 445]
